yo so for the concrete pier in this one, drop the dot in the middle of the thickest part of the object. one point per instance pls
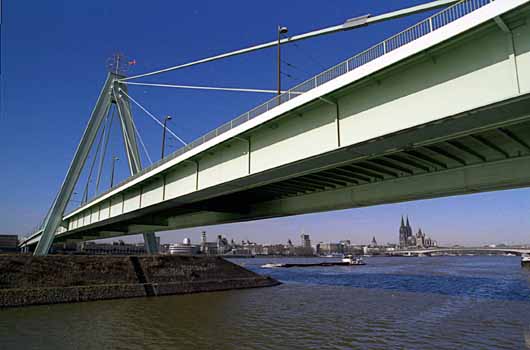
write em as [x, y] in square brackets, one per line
[29, 280]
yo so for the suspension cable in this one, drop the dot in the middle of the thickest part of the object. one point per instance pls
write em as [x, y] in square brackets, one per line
[154, 118]
[347, 25]
[309, 55]
[196, 87]
[84, 199]
[290, 65]
[142, 143]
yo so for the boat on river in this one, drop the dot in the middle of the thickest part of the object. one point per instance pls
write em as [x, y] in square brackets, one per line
[525, 260]
[353, 260]
[347, 260]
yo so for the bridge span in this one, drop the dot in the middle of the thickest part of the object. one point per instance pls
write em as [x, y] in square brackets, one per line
[440, 109]
[460, 250]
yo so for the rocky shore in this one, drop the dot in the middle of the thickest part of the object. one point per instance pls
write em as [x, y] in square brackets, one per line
[29, 280]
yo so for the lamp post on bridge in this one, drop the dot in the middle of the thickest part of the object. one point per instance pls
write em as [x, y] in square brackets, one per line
[281, 30]
[164, 136]
[114, 159]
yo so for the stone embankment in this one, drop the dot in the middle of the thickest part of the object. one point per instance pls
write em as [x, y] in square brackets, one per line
[29, 280]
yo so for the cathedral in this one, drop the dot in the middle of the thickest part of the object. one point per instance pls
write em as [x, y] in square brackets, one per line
[408, 240]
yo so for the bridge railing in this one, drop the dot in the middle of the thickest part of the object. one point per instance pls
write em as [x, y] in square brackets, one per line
[420, 29]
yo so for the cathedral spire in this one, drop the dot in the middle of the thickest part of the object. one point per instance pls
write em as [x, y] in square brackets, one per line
[408, 225]
[402, 222]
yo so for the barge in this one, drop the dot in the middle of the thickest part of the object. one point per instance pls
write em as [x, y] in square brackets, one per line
[347, 260]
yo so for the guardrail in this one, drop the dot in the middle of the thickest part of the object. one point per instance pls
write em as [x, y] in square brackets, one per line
[420, 29]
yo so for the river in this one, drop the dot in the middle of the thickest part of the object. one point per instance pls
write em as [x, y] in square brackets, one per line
[391, 303]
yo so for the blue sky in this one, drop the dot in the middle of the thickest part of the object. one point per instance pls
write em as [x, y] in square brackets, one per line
[53, 66]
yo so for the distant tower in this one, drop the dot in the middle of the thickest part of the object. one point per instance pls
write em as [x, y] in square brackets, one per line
[203, 242]
[420, 239]
[374, 242]
[403, 234]
[306, 242]
[409, 228]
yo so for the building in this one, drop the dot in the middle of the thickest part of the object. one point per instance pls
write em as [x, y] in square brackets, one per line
[65, 248]
[408, 240]
[8, 243]
[306, 242]
[274, 249]
[114, 248]
[329, 248]
[405, 234]
[423, 241]
[184, 248]
[373, 248]
[305, 248]
[219, 247]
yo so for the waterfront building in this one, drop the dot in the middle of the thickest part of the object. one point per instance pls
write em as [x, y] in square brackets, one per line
[219, 247]
[208, 248]
[274, 249]
[184, 248]
[305, 249]
[306, 241]
[114, 248]
[164, 248]
[65, 248]
[8, 243]
[329, 248]
[408, 240]
[222, 245]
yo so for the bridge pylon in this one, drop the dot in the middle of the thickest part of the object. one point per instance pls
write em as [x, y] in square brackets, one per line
[110, 94]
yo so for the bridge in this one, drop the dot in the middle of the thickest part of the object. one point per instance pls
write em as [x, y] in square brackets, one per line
[439, 109]
[460, 250]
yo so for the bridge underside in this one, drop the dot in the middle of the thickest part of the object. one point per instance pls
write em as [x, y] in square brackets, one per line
[481, 150]
[448, 114]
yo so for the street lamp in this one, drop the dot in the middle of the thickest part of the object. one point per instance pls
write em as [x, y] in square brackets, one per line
[114, 159]
[164, 136]
[281, 30]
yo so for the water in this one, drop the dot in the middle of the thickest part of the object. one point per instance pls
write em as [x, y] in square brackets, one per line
[391, 303]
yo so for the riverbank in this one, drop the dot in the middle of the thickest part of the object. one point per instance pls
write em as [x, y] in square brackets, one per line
[29, 280]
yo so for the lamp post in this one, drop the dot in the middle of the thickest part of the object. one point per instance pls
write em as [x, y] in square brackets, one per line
[164, 136]
[114, 159]
[281, 30]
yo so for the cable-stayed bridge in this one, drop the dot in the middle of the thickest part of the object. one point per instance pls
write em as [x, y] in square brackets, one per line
[440, 109]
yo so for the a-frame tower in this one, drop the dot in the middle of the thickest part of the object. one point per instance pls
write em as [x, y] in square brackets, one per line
[110, 94]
